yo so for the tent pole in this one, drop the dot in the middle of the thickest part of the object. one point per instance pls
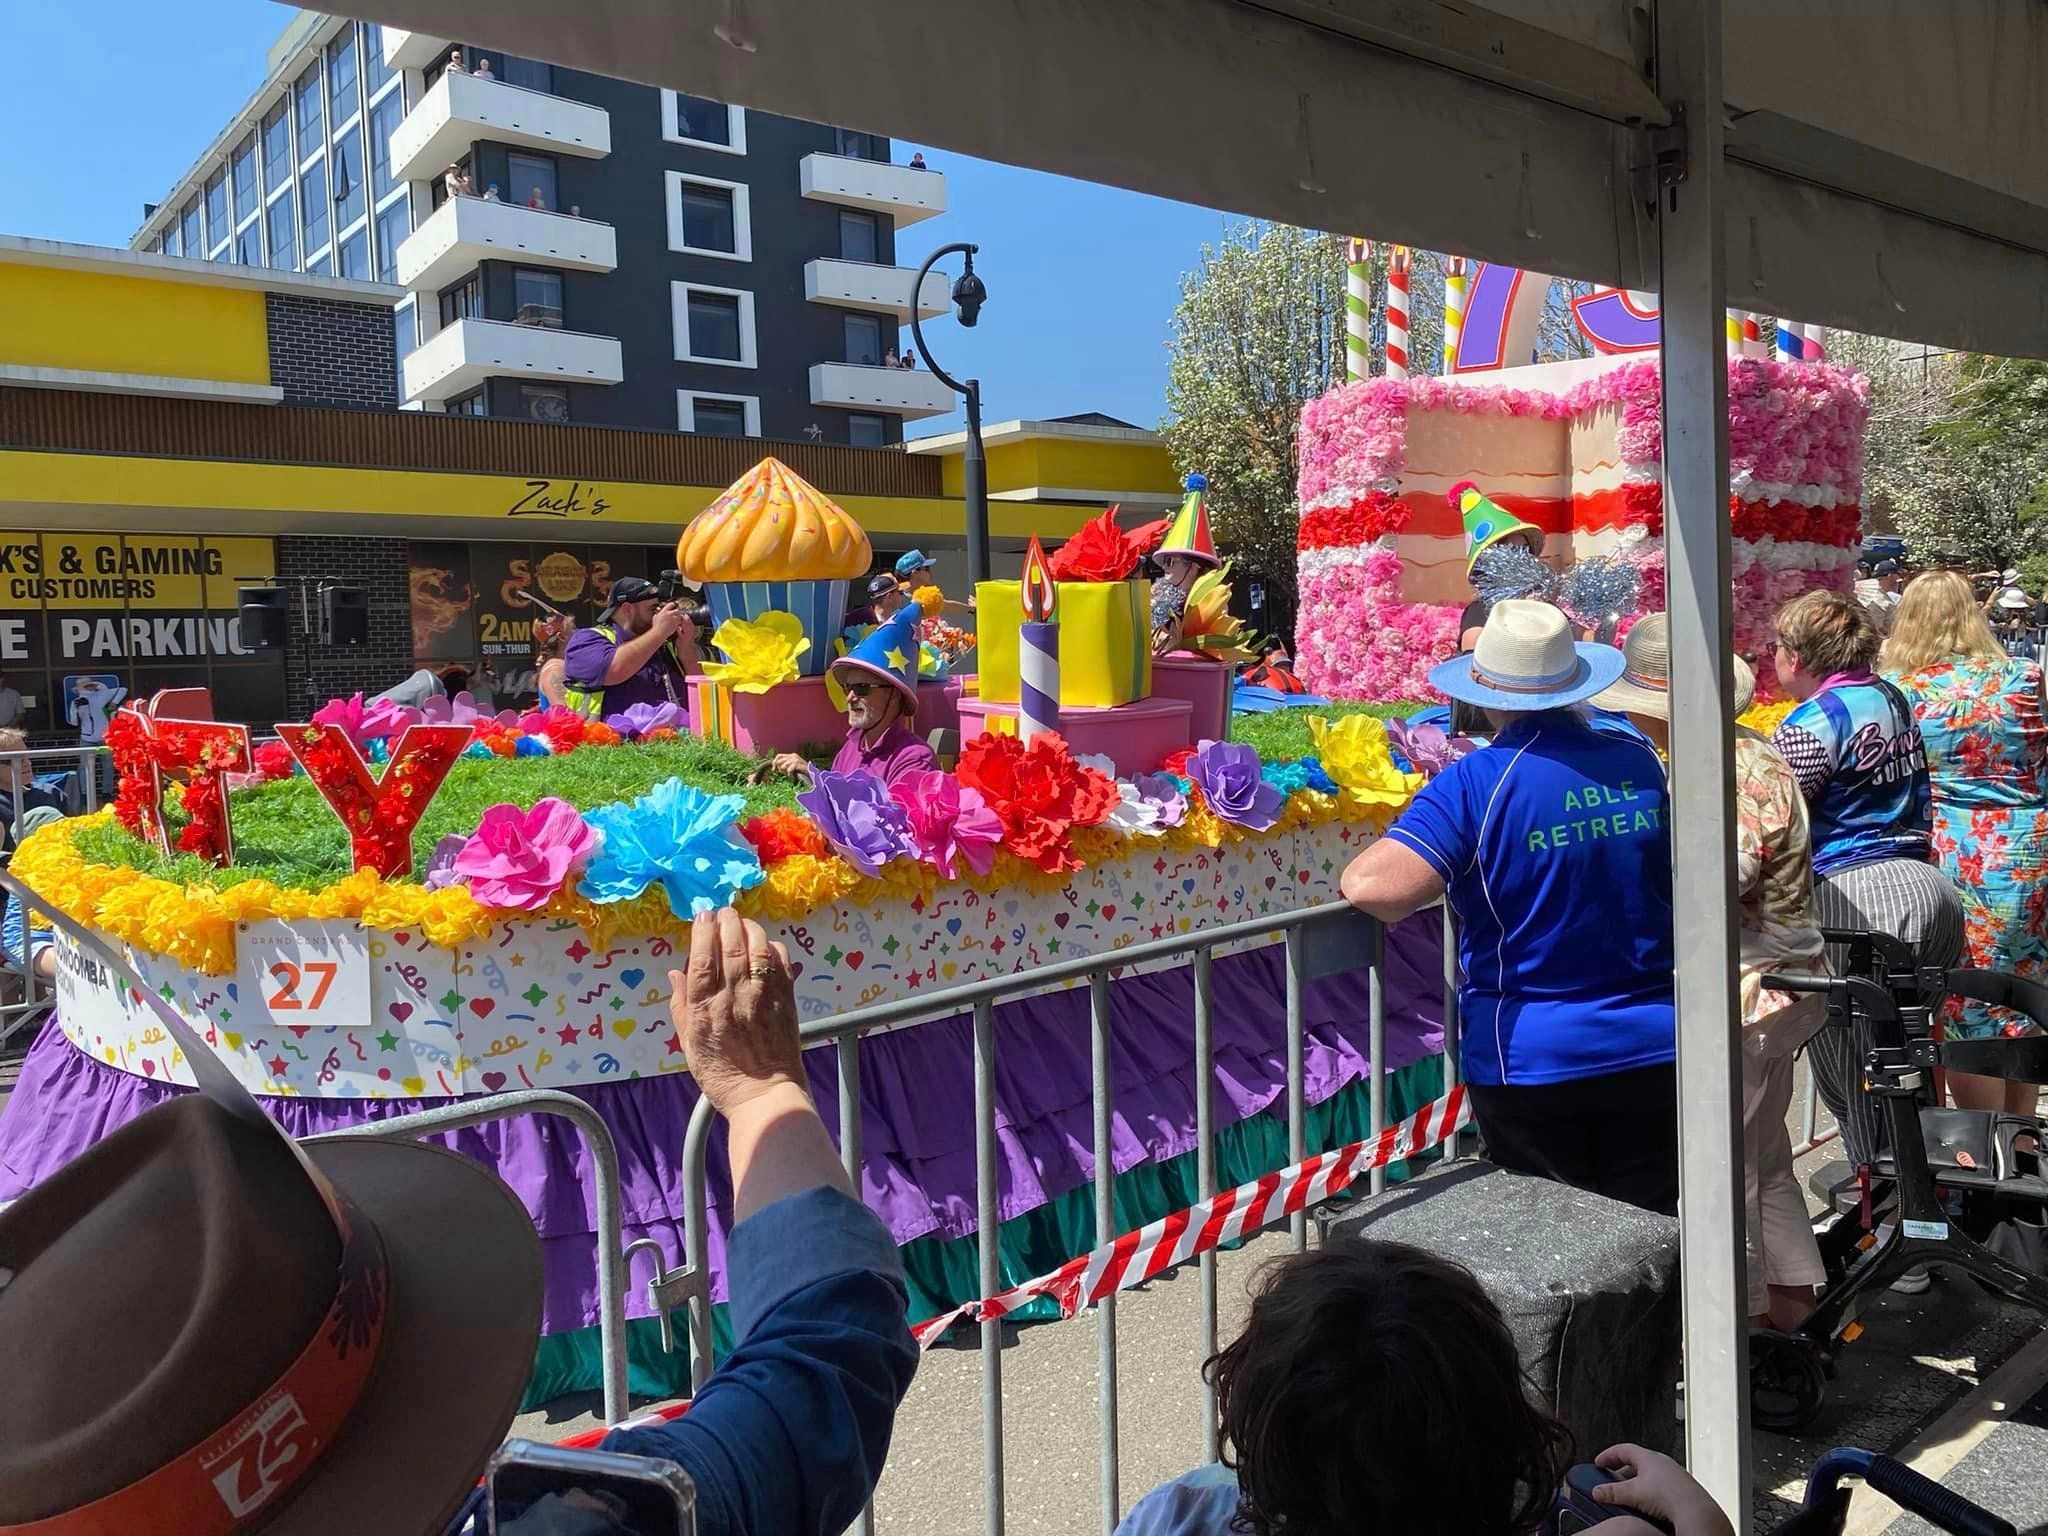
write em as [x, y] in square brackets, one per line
[1696, 534]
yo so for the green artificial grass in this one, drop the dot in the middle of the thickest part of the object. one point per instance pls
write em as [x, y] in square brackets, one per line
[1283, 733]
[284, 832]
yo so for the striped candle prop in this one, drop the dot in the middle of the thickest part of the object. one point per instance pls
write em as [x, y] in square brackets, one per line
[1038, 649]
[1815, 338]
[1752, 336]
[1457, 283]
[1791, 342]
[1357, 309]
[1397, 313]
[1735, 333]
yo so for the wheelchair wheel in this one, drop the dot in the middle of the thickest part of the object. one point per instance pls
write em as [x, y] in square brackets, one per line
[1787, 1382]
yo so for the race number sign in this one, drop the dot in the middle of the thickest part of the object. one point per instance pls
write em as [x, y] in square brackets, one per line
[313, 974]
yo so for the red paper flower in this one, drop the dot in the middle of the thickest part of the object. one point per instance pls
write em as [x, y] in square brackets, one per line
[1177, 762]
[1101, 551]
[783, 833]
[1354, 525]
[564, 730]
[274, 761]
[1038, 793]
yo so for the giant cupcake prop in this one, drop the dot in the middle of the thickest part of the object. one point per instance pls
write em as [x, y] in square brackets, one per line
[774, 542]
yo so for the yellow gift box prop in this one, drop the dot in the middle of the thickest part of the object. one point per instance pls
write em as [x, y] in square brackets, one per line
[1105, 641]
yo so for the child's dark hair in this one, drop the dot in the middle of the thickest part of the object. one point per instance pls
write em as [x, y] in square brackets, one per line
[1375, 1387]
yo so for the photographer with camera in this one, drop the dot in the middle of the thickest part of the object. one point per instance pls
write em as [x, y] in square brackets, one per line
[640, 650]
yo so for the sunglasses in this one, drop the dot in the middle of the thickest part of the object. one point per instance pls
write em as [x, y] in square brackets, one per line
[858, 690]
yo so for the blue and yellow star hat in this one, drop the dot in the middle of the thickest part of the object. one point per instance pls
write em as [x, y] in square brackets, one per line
[888, 651]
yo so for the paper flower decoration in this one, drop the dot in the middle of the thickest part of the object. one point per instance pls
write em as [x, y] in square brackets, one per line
[636, 722]
[274, 760]
[519, 859]
[858, 818]
[364, 722]
[440, 871]
[1038, 793]
[1101, 551]
[1207, 626]
[1353, 751]
[1428, 750]
[675, 836]
[949, 824]
[459, 710]
[1148, 805]
[759, 653]
[783, 833]
[1227, 773]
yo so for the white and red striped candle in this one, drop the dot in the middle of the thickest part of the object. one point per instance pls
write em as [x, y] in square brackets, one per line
[1397, 313]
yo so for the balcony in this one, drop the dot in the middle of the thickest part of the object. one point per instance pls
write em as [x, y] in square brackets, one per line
[412, 50]
[459, 357]
[906, 195]
[466, 230]
[911, 393]
[461, 109]
[869, 285]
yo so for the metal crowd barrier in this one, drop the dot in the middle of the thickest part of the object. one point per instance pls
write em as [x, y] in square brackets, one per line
[24, 997]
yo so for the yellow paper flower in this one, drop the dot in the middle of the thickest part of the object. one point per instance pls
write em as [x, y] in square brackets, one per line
[759, 652]
[1354, 752]
[1765, 719]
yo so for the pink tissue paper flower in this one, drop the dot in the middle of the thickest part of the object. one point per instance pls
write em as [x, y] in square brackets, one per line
[519, 859]
[950, 823]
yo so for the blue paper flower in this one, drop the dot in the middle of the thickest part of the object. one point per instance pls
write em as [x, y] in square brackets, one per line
[1298, 774]
[677, 837]
[532, 746]
[477, 749]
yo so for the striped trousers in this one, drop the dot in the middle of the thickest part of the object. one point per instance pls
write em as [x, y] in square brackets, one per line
[1914, 901]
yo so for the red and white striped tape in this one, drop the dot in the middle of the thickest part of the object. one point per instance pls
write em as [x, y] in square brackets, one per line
[1152, 1250]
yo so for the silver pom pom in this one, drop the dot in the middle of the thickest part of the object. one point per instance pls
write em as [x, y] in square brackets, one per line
[1593, 591]
[1507, 571]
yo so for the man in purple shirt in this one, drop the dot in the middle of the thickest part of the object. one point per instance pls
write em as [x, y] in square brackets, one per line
[879, 678]
[640, 651]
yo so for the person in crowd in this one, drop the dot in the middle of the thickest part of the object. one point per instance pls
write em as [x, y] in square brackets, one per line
[1776, 932]
[641, 650]
[1980, 719]
[456, 180]
[887, 597]
[20, 795]
[455, 64]
[879, 679]
[27, 948]
[535, 199]
[1375, 1387]
[1856, 750]
[491, 193]
[455, 678]
[10, 704]
[917, 161]
[550, 638]
[422, 684]
[1881, 595]
[1553, 844]
[890, 360]
[913, 566]
[910, 357]
[483, 70]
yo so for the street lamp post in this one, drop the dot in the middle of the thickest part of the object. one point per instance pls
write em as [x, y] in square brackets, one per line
[968, 297]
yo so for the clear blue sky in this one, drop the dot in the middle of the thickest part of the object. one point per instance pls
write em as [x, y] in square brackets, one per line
[104, 103]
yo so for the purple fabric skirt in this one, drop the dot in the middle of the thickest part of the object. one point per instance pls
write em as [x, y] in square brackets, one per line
[917, 1092]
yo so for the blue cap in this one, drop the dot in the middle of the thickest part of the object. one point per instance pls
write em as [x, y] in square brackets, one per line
[909, 565]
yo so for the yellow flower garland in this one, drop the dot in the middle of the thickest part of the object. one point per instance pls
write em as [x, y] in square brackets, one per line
[195, 924]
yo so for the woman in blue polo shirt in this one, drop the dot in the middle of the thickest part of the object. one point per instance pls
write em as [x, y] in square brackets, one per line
[1553, 845]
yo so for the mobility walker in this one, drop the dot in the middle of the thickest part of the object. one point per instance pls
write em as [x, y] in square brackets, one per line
[1947, 1180]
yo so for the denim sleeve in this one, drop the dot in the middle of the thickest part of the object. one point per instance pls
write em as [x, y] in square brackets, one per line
[789, 1434]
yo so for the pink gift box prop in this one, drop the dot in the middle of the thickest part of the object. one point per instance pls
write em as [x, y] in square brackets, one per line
[1203, 683]
[1135, 735]
[794, 715]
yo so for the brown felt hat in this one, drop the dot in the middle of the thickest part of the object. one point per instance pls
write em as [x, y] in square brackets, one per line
[203, 1337]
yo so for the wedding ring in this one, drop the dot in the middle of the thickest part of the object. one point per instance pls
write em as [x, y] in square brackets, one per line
[760, 972]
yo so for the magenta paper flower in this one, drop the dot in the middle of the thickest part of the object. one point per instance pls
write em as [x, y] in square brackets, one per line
[1229, 775]
[521, 858]
[950, 824]
[366, 721]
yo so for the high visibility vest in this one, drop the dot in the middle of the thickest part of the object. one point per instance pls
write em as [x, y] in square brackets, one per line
[588, 702]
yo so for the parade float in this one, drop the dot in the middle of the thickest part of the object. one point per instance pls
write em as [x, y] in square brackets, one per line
[1572, 451]
[386, 909]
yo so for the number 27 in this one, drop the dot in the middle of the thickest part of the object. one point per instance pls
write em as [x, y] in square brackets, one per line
[287, 997]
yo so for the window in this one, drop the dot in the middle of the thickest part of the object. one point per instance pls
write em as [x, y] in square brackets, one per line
[864, 340]
[861, 146]
[404, 330]
[713, 325]
[191, 241]
[341, 77]
[530, 73]
[864, 431]
[355, 256]
[249, 244]
[469, 405]
[313, 204]
[536, 297]
[393, 225]
[283, 239]
[245, 177]
[216, 211]
[384, 117]
[544, 402]
[348, 178]
[167, 242]
[702, 121]
[375, 70]
[709, 218]
[719, 418]
[860, 237]
[526, 174]
[462, 302]
[321, 265]
[277, 148]
[306, 96]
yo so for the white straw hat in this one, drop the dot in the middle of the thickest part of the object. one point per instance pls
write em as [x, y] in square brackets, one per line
[1527, 660]
[1645, 685]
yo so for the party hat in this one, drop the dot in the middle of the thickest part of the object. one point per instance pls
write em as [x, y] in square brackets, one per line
[1487, 522]
[1189, 533]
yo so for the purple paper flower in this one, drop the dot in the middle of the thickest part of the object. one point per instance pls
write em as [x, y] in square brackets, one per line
[1227, 772]
[460, 710]
[521, 858]
[1162, 791]
[637, 720]
[1428, 750]
[858, 818]
[440, 872]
